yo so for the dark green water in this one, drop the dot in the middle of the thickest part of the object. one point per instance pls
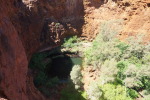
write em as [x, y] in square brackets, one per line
[61, 66]
[76, 60]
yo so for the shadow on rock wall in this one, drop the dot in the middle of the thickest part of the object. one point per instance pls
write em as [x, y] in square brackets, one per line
[21, 25]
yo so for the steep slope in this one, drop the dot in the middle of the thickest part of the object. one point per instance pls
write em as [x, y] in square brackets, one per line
[135, 15]
[21, 30]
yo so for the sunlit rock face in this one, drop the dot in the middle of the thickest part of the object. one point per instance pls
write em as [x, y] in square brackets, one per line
[133, 13]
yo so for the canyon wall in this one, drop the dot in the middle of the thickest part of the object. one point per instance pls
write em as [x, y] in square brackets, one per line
[135, 15]
[21, 28]
[24, 30]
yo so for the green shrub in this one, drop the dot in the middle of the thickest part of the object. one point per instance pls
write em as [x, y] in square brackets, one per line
[109, 29]
[70, 93]
[131, 73]
[110, 92]
[94, 92]
[71, 42]
[122, 65]
[125, 65]
[36, 61]
[115, 92]
[40, 79]
[122, 46]
[132, 93]
[136, 77]
[108, 71]
[99, 51]
[76, 76]
[145, 80]
[52, 82]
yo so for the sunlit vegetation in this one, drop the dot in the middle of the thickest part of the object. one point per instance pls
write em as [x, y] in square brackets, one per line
[123, 67]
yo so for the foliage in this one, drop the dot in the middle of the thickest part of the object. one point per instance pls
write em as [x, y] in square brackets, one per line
[94, 92]
[44, 83]
[36, 61]
[132, 93]
[108, 71]
[52, 82]
[110, 92]
[40, 79]
[70, 93]
[131, 79]
[109, 29]
[71, 42]
[137, 78]
[115, 92]
[124, 67]
[100, 52]
[123, 64]
[76, 76]
[105, 39]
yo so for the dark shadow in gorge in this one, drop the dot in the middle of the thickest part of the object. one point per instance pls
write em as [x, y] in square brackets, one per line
[60, 66]
[51, 70]
[70, 93]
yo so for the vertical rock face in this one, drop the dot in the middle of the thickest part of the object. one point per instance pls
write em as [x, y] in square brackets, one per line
[74, 7]
[21, 25]
[13, 60]
[35, 14]
[13, 68]
[75, 13]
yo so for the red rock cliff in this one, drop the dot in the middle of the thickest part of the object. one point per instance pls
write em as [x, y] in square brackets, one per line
[21, 28]
[135, 15]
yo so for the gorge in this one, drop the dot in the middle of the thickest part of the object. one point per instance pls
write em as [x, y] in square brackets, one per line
[30, 26]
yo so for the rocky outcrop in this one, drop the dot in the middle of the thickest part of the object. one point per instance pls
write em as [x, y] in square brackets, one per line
[135, 15]
[34, 16]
